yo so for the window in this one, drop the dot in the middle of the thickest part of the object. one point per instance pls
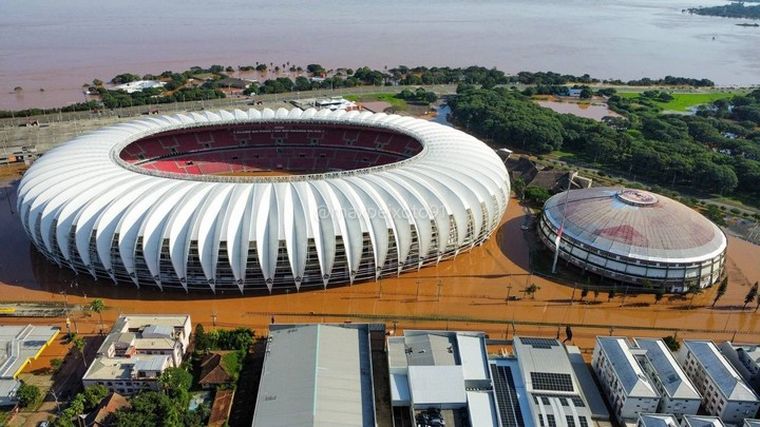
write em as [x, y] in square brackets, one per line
[583, 421]
[570, 420]
[550, 419]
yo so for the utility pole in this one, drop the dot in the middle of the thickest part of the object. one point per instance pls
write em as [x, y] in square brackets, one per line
[509, 291]
[438, 297]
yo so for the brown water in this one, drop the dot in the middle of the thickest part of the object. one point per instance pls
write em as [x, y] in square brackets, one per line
[466, 293]
[58, 46]
[589, 111]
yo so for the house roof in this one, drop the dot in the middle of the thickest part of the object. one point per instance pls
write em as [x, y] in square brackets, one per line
[212, 370]
[673, 379]
[730, 384]
[628, 371]
[110, 404]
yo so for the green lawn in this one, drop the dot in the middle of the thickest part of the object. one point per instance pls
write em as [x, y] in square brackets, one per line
[396, 103]
[684, 101]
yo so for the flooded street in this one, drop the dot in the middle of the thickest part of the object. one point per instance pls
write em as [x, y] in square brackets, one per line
[468, 293]
[59, 46]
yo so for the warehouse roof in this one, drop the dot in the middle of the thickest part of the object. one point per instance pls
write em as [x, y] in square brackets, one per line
[316, 375]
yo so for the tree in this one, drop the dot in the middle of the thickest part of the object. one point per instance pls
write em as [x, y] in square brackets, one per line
[751, 295]
[536, 195]
[78, 343]
[610, 294]
[584, 294]
[175, 379]
[531, 290]
[98, 306]
[518, 186]
[150, 408]
[27, 394]
[201, 338]
[694, 290]
[176, 382]
[56, 364]
[671, 342]
[722, 287]
[93, 395]
[315, 69]
[658, 294]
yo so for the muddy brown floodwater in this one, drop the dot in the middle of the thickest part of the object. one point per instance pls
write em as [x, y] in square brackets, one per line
[467, 293]
[49, 49]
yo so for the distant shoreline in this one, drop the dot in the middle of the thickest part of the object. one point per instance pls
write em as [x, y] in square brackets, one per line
[218, 81]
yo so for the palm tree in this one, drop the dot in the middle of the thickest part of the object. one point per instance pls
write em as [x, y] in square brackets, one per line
[721, 290]
[694, 290]
[659, 293]
[78, 343]
[751, 295]
[98, 306]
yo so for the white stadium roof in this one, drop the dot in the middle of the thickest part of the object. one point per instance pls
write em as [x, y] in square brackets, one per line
[77, 197]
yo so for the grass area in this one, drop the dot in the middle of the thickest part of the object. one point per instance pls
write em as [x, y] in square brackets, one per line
[397, 103]
[682, 102]
[232, 363]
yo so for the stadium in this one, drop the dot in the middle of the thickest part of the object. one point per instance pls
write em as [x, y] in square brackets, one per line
[262, 200]
[634, 236]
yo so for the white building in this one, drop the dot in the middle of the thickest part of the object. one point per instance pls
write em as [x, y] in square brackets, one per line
[657, 420]
[441, 375]
[723, 391]
[139, 85]
[751, 422]
[136, 352]
[628, 389]
[745, 358]
[318, 375]
[678, 396]
[555, 391]
[19, 345]
[701, 421]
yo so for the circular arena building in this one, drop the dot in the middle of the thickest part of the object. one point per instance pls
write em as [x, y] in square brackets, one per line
[262, 200]
[634, 236]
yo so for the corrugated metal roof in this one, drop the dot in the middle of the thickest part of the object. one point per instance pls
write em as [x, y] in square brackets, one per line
[635, 224]
[316, 375]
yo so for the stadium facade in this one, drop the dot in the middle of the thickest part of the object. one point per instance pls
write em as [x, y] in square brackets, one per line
[634, 236]
[245, 200]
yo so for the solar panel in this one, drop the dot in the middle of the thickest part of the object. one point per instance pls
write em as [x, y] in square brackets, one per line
[506, 396]
[551, 381]
[545, 343]
[563, 400]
